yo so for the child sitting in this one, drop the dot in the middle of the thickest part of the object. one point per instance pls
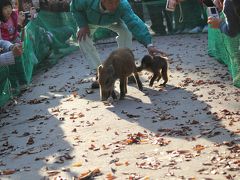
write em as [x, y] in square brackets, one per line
[9, 22]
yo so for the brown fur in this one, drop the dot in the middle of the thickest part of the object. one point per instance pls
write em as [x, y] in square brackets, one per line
[119, 65]
[158, 65]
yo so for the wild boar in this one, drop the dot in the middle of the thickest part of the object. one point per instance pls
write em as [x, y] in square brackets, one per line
[119, 65]
[158, 65]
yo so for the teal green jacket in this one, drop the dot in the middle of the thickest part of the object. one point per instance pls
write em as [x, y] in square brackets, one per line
[88, 12]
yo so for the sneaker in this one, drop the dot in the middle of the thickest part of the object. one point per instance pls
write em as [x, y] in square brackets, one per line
[205, 29]
[179, 31]
[195, 30]
[95, 85]
[186, 30]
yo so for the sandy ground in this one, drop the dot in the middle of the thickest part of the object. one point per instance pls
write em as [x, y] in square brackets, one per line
[59, 129]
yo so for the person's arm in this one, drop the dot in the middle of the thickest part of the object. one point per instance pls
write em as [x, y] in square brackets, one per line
[78, 7]
[7, 58]
[9, 52]
[232, 25]
[138, 28]
[135, 24]
[5, 46]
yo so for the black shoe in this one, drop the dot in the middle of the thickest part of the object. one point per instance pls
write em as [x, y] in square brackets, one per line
[95, 85]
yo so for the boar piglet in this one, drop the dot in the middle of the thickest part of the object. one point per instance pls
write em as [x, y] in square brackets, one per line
[158, 65]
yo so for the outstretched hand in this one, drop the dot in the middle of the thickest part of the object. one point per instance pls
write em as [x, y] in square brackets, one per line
[83, 33]
[214, 22]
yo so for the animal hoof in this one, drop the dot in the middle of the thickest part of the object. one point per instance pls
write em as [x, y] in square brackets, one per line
[95, 85]
[121, 97]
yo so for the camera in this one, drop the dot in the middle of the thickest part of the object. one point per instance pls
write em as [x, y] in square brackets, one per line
[212, 12]
[27, 14]
[170, 6]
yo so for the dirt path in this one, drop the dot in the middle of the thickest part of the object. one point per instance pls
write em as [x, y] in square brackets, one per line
[188, 130]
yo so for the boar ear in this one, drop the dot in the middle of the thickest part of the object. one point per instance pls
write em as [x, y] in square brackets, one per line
[100, 68]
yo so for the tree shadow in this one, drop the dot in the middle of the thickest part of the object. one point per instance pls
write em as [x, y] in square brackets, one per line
[174, 112]
[33, 141]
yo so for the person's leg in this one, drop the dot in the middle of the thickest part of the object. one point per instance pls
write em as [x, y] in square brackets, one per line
[137, 7]
[193, 19]
[89, 51]
[169, 20]
[178, 19]
[156, 16]
[124, 38]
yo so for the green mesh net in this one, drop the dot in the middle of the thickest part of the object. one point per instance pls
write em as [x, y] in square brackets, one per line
[4, 85]
[46, 40]
[226, 50]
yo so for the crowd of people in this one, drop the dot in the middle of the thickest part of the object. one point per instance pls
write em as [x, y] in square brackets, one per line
[12, 21]
[230, 25]
[189, 17]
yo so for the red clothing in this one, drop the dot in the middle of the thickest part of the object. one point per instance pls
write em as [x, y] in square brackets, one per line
[9, 29]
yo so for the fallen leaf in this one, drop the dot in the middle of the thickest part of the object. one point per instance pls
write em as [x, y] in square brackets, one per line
[198, 148]
[8, 172]
[89, 174]
[77, 164]
[110, 177]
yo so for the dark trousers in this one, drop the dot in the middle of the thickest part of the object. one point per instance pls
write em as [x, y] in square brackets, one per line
[157, 12]
[137, 8]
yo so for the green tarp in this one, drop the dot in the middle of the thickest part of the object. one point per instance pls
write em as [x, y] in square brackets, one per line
[227, 51]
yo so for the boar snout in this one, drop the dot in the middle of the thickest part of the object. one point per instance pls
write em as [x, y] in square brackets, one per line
[105, 95]
[106, 81]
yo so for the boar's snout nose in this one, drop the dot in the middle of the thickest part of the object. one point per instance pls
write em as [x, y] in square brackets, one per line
[104, 99]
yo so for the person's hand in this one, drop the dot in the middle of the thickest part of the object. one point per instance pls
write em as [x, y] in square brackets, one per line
[175, 1]
[83, 33]
[33, 12]
[21, 18]
[214, 22]
[16, 50]
[172, 4]
[152, 50]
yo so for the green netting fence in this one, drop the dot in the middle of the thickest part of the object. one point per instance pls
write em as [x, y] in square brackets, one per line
[46, 40]
[226, 50]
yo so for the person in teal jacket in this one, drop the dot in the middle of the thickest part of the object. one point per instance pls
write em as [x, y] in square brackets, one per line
[115, 15]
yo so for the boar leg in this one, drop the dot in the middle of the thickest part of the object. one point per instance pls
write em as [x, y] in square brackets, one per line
[155, 75]
[123, 88]
[165, 76]
[114, 96]
[139, 83]
[159, 77]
